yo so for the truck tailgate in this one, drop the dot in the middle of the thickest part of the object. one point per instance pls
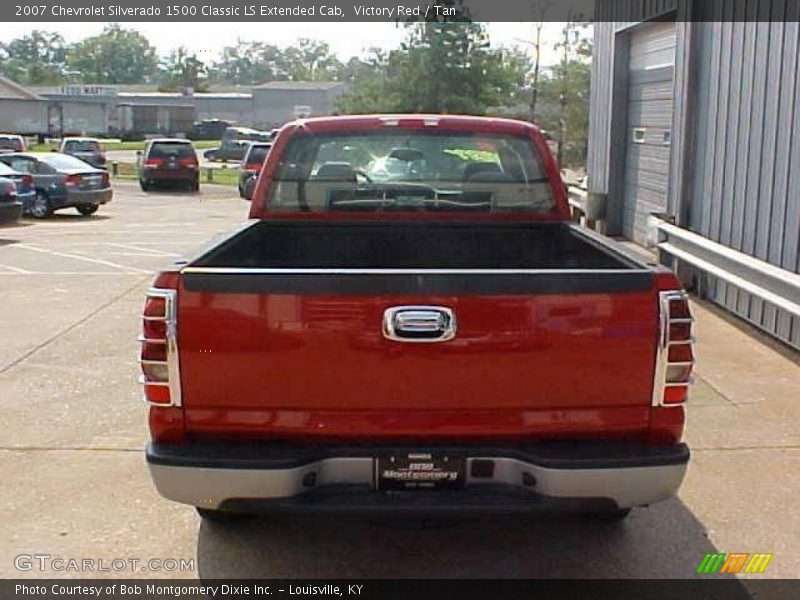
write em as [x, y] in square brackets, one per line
[273, 360]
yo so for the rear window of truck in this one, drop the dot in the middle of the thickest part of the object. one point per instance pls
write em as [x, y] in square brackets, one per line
[410, 171]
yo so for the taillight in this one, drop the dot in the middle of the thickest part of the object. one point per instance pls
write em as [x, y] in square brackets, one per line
[73, 179]
[675, 353]
[187, 161]
[104, 178]
[8, 188]
[251, 167]
[159, 349]
[153, 163]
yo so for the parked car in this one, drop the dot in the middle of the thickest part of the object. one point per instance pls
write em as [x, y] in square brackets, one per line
[61, 181]
[12, 143]
[23, 182]
[445, 341]
[251, 164]
[234, 143]
[10, 205]
[168, 160]
[208, 129]
[89, 150]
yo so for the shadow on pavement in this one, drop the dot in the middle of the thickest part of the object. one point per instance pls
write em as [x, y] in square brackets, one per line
[74, 218]
[665, 541]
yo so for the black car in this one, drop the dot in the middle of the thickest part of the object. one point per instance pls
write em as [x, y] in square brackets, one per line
[10, 205]
[61, 181]
[251, 165]
[208, 129]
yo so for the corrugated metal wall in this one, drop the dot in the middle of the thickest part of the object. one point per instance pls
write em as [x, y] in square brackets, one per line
[649, 126]
[611, 16]
[738, 133]
[744, 186]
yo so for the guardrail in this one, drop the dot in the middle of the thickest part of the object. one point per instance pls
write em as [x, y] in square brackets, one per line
[772, 284]
[587, 208]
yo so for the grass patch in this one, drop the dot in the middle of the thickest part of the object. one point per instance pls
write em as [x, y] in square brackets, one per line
[219, 176]
[117, 145]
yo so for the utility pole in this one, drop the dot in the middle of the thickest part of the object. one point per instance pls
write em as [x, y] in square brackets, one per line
[562, 97]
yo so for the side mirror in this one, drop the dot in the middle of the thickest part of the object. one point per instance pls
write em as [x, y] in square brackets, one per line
[249, 187]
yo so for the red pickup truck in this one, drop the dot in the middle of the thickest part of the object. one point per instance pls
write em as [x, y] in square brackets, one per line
[412, 323]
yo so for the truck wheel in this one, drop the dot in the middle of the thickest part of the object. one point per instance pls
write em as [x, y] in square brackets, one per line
[221, 516]
[41, 208]
[145, 185]
[87, 209]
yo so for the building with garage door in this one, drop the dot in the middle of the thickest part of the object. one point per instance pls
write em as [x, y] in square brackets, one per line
[695, 114]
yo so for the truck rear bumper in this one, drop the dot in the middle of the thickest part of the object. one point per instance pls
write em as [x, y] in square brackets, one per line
[268, 478]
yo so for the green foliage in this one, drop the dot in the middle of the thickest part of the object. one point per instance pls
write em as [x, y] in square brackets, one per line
[181, 69]
[38, 58]
[115, 56]
[442, 67]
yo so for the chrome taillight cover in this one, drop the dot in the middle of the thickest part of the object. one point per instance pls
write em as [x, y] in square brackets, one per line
[160, 373]
[674, 330]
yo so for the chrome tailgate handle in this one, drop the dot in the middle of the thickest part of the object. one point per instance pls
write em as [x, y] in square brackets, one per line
[419, 324]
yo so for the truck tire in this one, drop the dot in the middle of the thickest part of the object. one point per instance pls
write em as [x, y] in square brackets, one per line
[87, 209]
[221, 516]
[41, 207]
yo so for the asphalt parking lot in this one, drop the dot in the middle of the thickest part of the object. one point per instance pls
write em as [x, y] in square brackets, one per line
[73, 428]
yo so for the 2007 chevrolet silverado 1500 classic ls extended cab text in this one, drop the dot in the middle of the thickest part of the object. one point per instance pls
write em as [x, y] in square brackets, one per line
[412, 323]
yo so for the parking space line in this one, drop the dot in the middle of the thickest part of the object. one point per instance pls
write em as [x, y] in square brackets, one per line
[15, 270]
[98, 261]
[154, 253]
[81, 273]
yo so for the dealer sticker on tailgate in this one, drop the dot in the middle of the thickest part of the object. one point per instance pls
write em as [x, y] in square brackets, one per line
[419, 471]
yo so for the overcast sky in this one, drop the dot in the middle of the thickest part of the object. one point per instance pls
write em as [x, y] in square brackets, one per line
[346, 39]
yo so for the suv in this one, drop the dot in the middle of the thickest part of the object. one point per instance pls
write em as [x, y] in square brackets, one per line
[88, 150]
[10, 142]
[168, 159]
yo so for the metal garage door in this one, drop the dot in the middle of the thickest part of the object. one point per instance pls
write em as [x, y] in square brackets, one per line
[652, 59]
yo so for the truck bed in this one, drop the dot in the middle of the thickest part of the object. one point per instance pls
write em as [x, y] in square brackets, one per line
[414, 245]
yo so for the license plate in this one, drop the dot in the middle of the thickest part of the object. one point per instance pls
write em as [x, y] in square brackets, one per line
[92, 181]
[420, 471]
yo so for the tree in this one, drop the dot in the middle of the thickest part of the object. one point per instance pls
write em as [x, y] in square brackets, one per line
[183, 70]
[573, 79]
[37, 58]
[310, 60]
[445, 65]
[115, 56]
[249, 63]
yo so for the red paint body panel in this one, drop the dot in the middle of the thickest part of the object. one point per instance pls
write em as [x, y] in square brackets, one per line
[520, 365]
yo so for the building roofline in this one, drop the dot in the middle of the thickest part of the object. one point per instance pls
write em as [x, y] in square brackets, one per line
[22, 90]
